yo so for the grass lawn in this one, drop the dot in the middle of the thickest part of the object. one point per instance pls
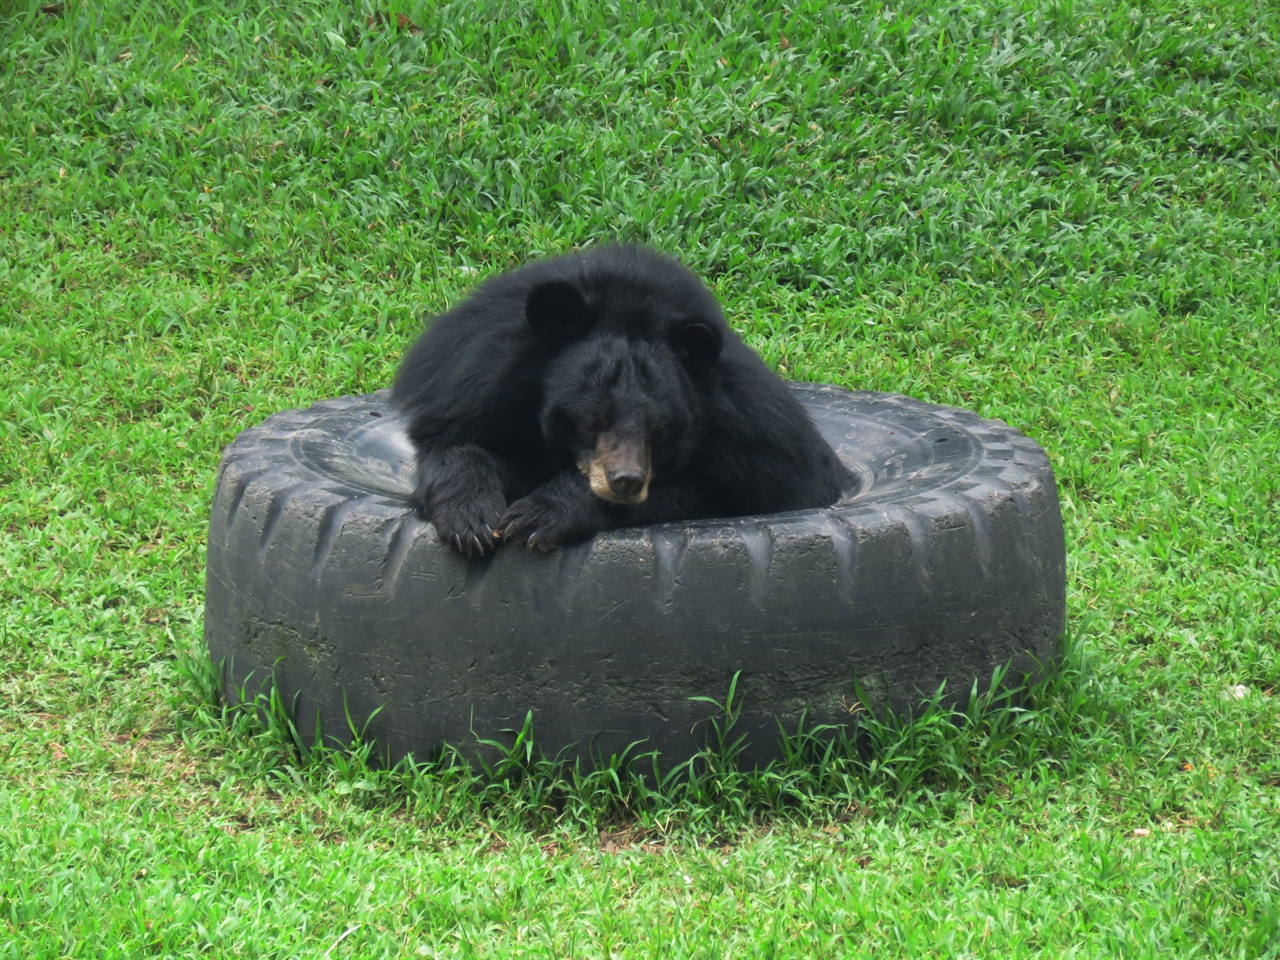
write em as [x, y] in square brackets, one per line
[1062, 214]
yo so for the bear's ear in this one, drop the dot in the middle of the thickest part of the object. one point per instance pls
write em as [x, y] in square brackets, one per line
[556, 309]
[697, 342]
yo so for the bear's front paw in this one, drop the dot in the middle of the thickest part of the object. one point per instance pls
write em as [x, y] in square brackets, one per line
[471, 528]
[544, 523]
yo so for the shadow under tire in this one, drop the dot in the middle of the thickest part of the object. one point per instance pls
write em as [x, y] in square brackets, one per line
[943, 562]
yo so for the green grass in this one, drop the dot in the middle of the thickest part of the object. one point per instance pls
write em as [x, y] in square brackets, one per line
[1060, 214]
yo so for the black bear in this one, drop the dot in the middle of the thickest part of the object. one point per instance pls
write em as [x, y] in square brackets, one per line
[599, 390]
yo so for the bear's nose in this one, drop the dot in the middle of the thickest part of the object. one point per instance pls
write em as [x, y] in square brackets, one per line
[626, 482]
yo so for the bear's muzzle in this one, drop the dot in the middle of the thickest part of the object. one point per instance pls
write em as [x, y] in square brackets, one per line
[618, 469]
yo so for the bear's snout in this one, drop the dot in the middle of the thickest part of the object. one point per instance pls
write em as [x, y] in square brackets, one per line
[626, 482]
[618, 469]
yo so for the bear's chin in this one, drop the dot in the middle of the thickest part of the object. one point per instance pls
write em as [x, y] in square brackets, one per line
[609, 495]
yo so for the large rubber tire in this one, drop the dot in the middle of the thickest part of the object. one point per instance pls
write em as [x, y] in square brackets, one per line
[944, 561]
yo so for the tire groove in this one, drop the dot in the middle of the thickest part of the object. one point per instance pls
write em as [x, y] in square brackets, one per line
[473, 581]
[572, 560]
[668, 552]
[279, 505]
[981, 523]
[402, 538]
[241, 482]
[844, 546]
[1020, 546]
[759, 543]
[331, 522]
[918, 535]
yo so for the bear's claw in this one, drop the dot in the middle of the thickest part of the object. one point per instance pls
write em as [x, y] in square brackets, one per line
[470, 531]
[539, 522]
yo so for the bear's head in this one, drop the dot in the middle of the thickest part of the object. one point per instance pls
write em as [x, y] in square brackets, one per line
[622, 397]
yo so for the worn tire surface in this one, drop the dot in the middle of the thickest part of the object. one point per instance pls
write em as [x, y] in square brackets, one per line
[943, 562]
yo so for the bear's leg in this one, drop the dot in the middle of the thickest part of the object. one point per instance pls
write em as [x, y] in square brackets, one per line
[460, 490]
[562, 510]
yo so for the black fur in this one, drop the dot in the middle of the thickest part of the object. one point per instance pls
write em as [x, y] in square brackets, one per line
[615, 363]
